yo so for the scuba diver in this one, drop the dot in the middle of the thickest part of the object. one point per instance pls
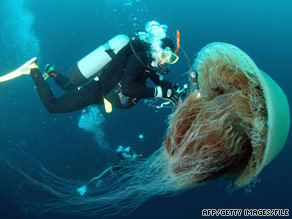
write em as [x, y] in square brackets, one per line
[124, 156]
[115, 73]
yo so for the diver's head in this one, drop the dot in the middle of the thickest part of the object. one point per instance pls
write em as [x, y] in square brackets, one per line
[161, 48]
[166, 56]
[167, 42]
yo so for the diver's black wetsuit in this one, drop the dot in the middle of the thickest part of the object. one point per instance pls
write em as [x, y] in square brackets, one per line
[125, 69]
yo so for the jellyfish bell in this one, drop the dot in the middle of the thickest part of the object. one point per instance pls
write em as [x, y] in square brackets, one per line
[235, 125]
[278, 121]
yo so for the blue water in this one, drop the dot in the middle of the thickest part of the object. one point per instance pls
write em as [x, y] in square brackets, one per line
[62, 32]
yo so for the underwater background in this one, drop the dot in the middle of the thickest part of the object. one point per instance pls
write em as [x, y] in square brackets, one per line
[61, 32]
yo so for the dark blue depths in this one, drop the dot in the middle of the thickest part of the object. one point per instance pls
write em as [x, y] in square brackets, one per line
[62, 32]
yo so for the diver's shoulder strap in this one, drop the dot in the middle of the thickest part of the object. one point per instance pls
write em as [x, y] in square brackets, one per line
[112, 54]
[109, 51]
[138, 58]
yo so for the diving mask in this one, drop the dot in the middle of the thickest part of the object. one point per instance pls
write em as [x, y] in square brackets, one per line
[166, 56]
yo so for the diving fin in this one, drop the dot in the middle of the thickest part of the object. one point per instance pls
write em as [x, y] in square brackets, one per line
[22, 70]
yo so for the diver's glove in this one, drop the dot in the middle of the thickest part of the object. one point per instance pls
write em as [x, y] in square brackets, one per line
[168, 93]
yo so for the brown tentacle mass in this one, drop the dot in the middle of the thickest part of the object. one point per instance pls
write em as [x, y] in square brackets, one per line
[212, 132]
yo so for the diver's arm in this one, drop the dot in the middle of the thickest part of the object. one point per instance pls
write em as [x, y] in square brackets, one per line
[159, 79]
[130, 82]
[166, 89]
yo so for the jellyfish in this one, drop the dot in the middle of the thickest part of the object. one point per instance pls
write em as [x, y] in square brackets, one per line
[231, 126]
[234, 126]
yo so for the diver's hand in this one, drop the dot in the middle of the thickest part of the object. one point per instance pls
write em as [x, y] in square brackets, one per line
[168, 93]
[182, 91]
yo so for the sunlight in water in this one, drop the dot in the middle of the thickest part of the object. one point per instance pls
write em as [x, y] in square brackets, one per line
[18, 36]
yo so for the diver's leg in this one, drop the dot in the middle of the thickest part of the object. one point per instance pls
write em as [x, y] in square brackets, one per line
[71, 101]
[60, 79]
[64, 82]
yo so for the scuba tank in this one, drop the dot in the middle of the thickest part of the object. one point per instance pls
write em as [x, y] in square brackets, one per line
[95, 61]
